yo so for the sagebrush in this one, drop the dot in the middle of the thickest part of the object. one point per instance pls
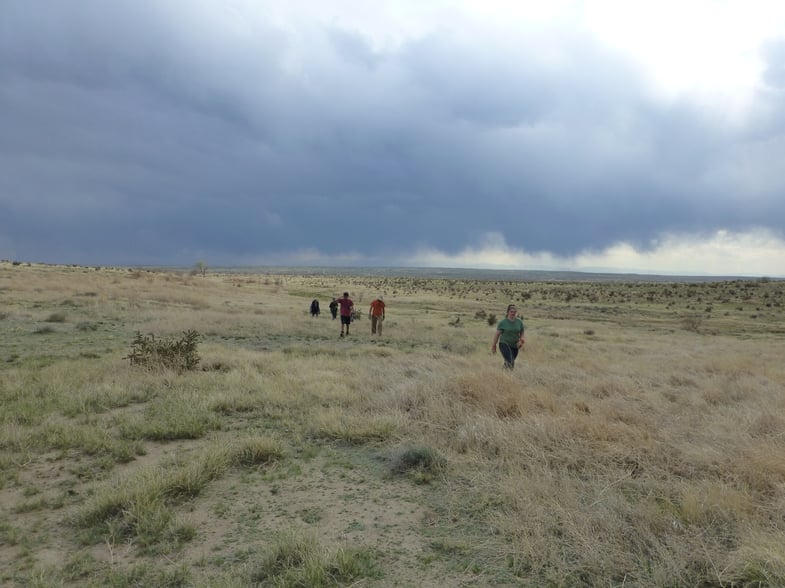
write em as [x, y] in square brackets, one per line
[177, 354]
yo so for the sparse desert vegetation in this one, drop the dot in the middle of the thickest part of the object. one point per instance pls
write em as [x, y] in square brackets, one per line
[639, 442]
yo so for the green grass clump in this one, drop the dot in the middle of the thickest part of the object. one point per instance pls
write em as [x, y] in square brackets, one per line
[56, 317]
[175, 417]
[354, 429]
[418, 458]
[296, 560]
[142, 508]
[255, 451]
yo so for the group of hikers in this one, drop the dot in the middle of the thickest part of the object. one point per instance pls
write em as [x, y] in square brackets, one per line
[508, 338]
[345, 305]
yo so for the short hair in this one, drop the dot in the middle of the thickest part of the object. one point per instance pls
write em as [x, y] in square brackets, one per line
[345, 293]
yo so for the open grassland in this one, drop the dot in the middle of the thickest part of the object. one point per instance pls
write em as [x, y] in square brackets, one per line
[639, 442]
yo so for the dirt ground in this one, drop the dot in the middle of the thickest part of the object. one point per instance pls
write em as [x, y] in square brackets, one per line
[338, 498]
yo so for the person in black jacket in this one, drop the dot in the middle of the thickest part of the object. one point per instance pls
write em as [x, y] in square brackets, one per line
[315, 308]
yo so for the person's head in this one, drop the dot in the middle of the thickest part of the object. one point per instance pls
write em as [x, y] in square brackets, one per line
[381, 297]
[346, 295]
[512, 310]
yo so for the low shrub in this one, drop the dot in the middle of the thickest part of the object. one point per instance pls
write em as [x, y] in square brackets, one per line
[692, 322]
[418, 458]
[177, 354]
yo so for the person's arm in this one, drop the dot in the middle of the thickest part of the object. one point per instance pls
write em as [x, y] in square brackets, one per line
[495, 340]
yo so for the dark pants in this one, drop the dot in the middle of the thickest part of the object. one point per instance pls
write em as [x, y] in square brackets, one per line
[509, 353]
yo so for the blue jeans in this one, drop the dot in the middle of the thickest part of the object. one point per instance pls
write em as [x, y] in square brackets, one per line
[509, 353]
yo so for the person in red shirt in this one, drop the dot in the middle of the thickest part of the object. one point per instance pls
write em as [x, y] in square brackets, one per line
[376, 314]
[347, 306]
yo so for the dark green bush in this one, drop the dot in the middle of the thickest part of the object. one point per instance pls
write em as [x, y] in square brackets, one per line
[177, 354]
[56, 317]
[417, 458]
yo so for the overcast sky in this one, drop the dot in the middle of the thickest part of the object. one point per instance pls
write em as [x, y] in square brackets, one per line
[613, 135]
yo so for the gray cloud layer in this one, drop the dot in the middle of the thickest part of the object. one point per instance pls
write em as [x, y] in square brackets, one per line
[162, 132]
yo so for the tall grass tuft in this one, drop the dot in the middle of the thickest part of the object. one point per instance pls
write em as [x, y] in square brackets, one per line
[56, 317]
[180, 415]
[254, 451]
[417, 458]
[298, 560]
[354, 429]
[421, 464]
[141, 507]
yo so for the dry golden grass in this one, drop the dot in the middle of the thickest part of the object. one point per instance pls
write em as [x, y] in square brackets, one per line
[630, 447]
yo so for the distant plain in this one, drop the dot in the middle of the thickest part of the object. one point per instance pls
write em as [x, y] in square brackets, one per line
[640, 441]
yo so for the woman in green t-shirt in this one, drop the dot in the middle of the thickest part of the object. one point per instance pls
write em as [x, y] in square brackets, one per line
[509, 336]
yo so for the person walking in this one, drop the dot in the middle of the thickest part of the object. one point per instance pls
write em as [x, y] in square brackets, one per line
[376, 315]
[509, 336]
[347, 307]
[334, 308]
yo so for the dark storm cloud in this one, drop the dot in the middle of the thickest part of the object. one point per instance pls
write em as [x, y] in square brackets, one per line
[146, 132]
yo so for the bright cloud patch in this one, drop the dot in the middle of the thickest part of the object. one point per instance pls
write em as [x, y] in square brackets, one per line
[759, 253]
